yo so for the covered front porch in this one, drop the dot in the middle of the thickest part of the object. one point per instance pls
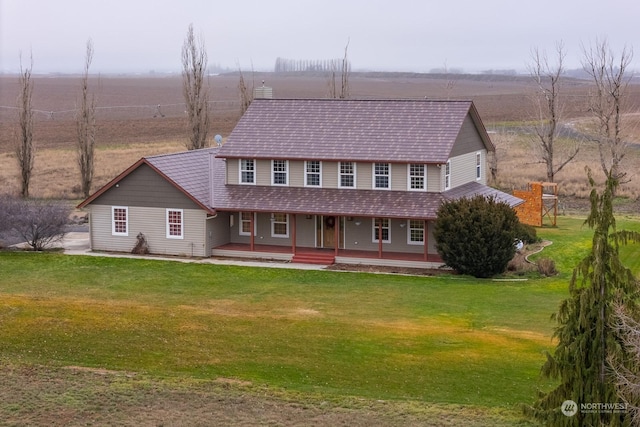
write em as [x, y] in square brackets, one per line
[328, 239]
[343, 256]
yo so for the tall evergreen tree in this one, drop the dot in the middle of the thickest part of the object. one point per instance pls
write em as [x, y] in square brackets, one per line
[587, 338]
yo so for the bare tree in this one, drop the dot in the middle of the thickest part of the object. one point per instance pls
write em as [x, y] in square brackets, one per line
[25, 149]
[548, 110]
[86, 127]
[39, 223]
[246, 94]
[607, 103]
[195, 91]
[345, 70]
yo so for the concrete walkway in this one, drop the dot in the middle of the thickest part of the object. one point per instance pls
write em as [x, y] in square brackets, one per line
[77, 243]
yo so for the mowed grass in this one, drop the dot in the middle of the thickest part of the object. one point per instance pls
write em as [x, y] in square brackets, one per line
[443, 340]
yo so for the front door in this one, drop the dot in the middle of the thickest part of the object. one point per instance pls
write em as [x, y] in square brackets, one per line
[325, 231]
[329, 239]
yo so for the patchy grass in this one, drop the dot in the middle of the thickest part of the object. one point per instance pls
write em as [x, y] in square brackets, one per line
[446, 350]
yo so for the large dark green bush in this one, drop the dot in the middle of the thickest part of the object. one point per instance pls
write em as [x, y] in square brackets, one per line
[476, 235]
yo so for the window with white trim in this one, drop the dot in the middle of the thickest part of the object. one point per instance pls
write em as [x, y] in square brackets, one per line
[415, 232]
[447, 175]
[381, 175]
[417, 177]
[386, 231]
[245, 223]
[478, 165]
[175, 218]
[347, 171]
[312, 173]
[119, 220]
[247, 171]
[279, 225]
[279, 175]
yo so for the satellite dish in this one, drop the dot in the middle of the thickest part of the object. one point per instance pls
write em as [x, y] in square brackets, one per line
[218, 140]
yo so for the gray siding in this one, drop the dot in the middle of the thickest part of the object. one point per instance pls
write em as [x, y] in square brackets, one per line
[296, 173]
[463, 169]
[144, 187]
[263, 172]
[468, 139]
[233, 171]
[435, 178]
[330, 174]
[360, 237]
[399, 176]
[152, 223]
[306, 231]
[364, 174]
[218, 231]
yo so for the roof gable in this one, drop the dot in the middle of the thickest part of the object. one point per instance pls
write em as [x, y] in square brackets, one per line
[188, 172]
[358, 130]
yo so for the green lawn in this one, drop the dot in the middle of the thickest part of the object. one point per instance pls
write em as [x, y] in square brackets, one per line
[450, 339]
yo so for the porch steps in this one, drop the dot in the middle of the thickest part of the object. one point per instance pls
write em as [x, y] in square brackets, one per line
[321, 258]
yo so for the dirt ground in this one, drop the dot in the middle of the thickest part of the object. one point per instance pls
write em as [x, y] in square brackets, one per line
[144, 115]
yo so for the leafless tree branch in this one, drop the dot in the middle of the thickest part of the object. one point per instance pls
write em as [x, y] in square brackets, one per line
[607, 103]
[549, 109]
[86, 127]
[195, 90]
[25, 148]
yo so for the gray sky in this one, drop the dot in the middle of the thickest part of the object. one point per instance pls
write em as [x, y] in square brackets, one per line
[389, 35]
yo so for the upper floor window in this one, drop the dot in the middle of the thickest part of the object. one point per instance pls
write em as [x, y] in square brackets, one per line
[381, 227]
[416, 232]
[381, 175]
[280, 174]
[447, 175]
[312, 173]
[417, 176]
[174, 223]
[247, 171]
[279, 225]
[120, 221]
[347, 172]
[478, 165]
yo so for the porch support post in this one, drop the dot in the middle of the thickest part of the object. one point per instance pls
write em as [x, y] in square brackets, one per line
[425, 240]
[336, 235]
[252, 243]
[293, 234]
[380, 237]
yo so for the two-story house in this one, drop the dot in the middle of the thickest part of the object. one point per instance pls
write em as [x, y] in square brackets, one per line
[306, 180]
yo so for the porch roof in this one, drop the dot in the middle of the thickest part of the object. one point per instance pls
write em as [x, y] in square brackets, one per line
[342, 202]
[328, 201]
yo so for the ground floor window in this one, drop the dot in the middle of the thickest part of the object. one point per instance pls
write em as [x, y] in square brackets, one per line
[386, 232]
[279, 225]
[416, 232]
[175, 223]
[245, 223]
[120, 221]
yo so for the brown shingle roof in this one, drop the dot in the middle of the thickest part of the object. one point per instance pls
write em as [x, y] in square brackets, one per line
[359, 130]
[472, 189]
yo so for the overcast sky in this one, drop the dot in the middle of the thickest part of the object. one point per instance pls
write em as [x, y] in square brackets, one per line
[389, 35]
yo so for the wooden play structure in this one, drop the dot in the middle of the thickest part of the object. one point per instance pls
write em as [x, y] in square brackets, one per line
[540, 201]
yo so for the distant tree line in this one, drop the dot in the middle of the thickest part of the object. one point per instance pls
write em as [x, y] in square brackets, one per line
[284, 65]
